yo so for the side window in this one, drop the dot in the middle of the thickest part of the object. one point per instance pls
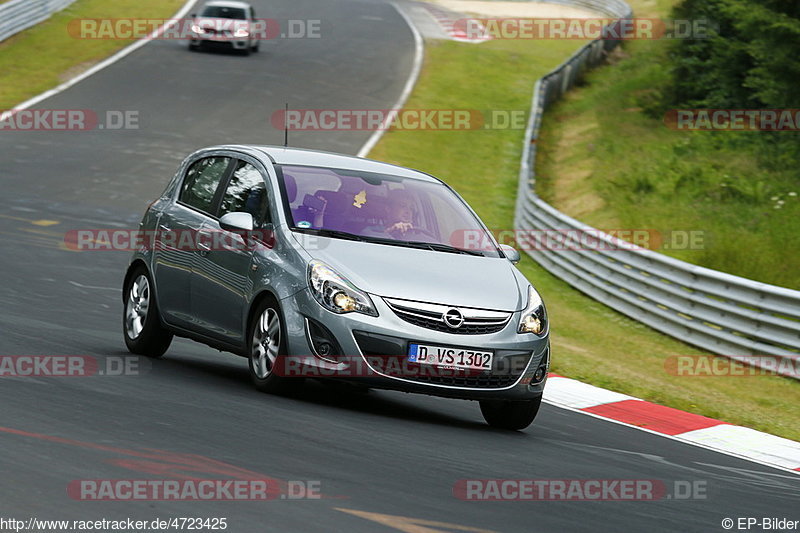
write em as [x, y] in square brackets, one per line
[247, 193]
[201, 182]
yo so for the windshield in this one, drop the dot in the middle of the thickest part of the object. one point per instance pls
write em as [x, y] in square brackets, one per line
[380, 208]
[220, 12]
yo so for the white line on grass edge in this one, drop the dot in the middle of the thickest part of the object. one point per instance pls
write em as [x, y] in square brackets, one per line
[409, 86]
[106, 62]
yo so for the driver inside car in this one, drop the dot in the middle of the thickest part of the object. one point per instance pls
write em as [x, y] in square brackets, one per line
[398, 217]
[400, 214]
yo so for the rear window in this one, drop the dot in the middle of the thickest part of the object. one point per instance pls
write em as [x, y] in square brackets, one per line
[201, 182]
[246, 192]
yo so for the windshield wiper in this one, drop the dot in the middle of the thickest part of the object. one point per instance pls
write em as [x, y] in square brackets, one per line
[322, 232]
[422, 245]
[439, 247]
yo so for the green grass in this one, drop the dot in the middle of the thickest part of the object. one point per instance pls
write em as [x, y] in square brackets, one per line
[607, 158]
[45, 55]
[591, 342]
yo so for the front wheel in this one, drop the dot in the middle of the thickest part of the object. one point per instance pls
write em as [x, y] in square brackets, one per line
[267, 347]
[513, 415]
[141, 324]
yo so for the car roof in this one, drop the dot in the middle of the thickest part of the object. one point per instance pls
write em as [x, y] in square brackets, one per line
[315, 158]
[227, 3]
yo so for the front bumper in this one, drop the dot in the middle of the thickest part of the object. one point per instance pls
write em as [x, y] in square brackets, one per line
[368, 342]
[219, 42]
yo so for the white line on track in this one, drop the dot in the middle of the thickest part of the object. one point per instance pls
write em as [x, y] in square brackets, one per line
[106, 62]
[409, 86]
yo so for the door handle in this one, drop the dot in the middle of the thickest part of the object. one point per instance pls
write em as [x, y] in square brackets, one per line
[161, 237]
[202, 238]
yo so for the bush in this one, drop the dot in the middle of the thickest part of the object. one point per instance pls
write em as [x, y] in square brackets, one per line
[750, 58]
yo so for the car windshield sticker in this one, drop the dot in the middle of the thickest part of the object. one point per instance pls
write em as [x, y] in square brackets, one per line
[304, 224]
[360, 199]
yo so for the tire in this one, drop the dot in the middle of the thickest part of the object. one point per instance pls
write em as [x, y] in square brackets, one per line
[245, 51]
[255, 47]
[265, 350]
[510, 415]
[141, 322]
[194, 47]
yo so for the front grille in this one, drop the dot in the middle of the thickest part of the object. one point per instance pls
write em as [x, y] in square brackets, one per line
[383, 352]
[430, 316]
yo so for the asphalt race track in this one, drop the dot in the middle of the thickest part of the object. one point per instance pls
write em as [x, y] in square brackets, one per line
[194, 412]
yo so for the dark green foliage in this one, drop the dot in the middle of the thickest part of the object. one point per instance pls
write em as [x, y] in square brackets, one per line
[751, 58]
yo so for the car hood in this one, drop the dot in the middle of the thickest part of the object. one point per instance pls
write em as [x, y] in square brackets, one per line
[422, 275]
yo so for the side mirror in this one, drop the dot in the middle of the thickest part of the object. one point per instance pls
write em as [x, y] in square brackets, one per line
[237, 221]
[193, 15]
[511, 253]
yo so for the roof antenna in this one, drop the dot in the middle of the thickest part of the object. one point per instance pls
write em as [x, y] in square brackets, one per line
[286, 126]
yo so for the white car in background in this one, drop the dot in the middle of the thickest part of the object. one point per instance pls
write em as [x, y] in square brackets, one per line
[225, 24]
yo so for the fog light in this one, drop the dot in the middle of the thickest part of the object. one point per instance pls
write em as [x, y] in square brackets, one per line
[538, 376]
[324, 349]
[322, 341]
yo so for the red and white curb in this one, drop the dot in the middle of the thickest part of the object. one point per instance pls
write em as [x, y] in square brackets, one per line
[447, 21]
[673, 423]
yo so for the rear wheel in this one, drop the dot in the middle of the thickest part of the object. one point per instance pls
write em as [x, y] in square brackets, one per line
[267, 347]
[512, 415]
[141, 324]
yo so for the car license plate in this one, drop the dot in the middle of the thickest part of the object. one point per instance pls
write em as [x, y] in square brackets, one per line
[442, 356]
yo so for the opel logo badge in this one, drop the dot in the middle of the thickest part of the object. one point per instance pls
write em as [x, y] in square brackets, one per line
[453, 318]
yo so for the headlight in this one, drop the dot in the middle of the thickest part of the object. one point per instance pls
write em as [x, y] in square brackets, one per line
[335, 293]
[534, 316]
[241, 32]
[197, 29]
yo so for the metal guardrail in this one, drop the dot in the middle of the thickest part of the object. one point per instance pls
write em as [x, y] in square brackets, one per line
[18, 15]
[724, 314]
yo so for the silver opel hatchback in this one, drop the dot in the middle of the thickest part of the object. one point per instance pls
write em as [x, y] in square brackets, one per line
[319, 265]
